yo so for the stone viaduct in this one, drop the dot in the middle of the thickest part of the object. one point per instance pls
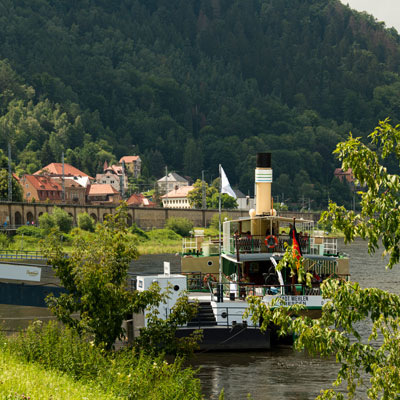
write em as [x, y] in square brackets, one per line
[17, 214]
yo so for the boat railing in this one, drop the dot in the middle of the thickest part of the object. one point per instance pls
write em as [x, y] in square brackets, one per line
[266, 244]
[330, 245]
[198, 281]
[189, 245]
[240, 290]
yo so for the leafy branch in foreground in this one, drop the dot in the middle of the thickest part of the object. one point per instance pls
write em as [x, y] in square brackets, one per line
[380, 198]
[367, 364]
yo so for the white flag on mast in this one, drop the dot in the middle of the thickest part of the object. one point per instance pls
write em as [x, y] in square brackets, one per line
[225, 186]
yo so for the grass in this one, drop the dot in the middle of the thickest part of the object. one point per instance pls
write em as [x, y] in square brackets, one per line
[21, 380]
[50, 362]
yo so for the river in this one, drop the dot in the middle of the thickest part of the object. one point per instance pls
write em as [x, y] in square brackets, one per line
[278, 374]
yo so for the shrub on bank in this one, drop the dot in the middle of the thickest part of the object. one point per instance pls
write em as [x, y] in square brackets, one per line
[141, 234]
[181, 226]
[125, 373]
[58, 219]
[214, 223]
[4, 241]
[162, 235]
[85, 222]
[32, 231]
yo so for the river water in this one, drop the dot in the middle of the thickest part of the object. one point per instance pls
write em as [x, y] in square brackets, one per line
[278, 374]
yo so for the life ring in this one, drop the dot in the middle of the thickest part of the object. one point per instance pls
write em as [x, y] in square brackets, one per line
[271, 241]
[209, 278]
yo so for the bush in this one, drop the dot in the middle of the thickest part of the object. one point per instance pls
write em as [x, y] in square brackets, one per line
[59, 218]
[138, 232]
[46, 222]
[4, 241]
[30, 231]
[85, 222]
[163, 235]
[62, 219]
[181, 226]
[214, 223]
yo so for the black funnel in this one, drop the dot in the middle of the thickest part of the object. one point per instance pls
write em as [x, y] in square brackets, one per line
[263, 160]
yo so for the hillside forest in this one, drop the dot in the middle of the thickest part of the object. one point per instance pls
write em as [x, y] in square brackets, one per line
[196, 83]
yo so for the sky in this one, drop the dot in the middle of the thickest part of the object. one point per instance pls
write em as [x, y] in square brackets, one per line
[383, 10]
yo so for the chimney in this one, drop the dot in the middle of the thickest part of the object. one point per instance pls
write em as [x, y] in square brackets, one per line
[263, 184]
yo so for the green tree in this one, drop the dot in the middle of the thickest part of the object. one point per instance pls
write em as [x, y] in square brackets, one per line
[339, 332]
[59, 219]
[85, 222]
[46, 222]
[95, 277]
[16, 187]
[62, 219]
[195, 196]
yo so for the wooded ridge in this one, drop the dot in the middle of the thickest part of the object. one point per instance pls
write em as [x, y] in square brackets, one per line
[191, 84]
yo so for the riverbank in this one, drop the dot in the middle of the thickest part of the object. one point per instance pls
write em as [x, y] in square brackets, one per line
[49, 362]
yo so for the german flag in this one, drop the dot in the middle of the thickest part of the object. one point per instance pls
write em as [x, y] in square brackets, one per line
[296, 249]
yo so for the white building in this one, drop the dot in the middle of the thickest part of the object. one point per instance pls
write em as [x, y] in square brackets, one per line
[112, 176]
[244, 202]
[177, 198]
[170, 182]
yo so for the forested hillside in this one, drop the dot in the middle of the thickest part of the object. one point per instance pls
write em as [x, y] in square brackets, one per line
[194, 83]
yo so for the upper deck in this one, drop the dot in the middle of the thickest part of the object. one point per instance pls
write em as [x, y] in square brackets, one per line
[272, 234]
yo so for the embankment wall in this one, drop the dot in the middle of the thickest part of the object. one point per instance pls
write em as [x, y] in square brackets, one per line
[17, 214]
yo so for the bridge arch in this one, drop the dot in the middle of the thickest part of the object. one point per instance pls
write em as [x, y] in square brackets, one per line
[18, 218]
[29, 217]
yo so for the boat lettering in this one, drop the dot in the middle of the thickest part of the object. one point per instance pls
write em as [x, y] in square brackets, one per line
[290, 300]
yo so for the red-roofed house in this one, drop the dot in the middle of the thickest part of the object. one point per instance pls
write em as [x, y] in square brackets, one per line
[177, 198]
[138, 200]
[133, 164]
[102, 194]
[344, 176]
[55, 169]
[75, 192]
[41, 188]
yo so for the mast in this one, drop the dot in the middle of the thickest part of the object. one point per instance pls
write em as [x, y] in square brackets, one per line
[220, 292]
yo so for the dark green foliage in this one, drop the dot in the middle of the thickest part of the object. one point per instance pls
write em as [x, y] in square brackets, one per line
[180, 225]
[193, 85]
[139, 232]
[16, 187]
